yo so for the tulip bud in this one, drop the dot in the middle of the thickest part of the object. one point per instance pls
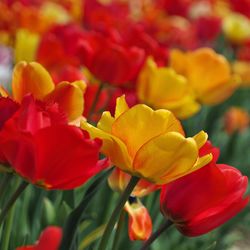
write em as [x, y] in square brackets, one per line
[236, 119]
[140, 224]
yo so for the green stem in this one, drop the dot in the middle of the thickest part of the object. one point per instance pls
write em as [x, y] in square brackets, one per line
[118, 230]
[4, 182]
[156, 234]
[12, 200]
[94, 103]
[124, 197]
[7, 229]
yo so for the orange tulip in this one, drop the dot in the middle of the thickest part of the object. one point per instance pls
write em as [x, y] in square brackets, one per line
[208, 74]
[34, 78]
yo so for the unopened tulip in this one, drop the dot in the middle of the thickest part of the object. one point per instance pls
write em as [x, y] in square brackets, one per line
[140, 224]
[236, 119]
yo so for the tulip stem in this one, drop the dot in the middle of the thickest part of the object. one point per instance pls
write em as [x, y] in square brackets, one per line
[12, 200]
[7, 229]
[5, 181]
[110, 225]
[156, 234]
[118, 230]
[94, 103]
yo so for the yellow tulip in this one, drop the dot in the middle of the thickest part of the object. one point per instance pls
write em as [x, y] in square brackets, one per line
[163, 88]
[26, 45]
[33, 78]
[236, 27]
[148, 144]
[208, 74]
[242, 69]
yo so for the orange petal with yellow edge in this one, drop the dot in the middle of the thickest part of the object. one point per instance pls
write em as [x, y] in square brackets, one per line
[31, 78]
[69, 96]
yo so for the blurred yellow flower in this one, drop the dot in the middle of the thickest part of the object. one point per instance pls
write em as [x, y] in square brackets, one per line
[208, 74]
[161, 87]
[148, 144]
[242, 68]
[236, 27]
[26, 44]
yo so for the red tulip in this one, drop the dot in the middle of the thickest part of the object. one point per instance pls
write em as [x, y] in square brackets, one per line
[212, 30]
[205, 199]
[67, 73]
[176, 7]
[89, 98]
[58, 46]
[242, 6]
[50, 239]
[7, 109]
[40, 146]
[109, 61]
[98, 16]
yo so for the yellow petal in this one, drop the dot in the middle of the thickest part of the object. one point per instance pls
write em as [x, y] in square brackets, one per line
[139, 124]
[31, 78]
[112, 147]
[201, 162]
[121, 106]
[106, 121]
[200, 138]
[166, 157]
[69, 96]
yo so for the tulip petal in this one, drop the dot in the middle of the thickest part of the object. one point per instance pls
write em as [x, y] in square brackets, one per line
[106, 121]
[69, 96]
[65, 171]
[200, 138]
[139, 124]
[31, 78]
[112, 146]
[121, 106]
[166, 157]
[205, 62]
